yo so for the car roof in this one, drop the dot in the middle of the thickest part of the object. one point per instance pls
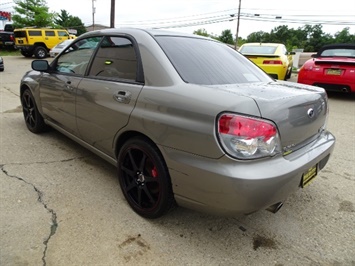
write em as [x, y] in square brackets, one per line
[133, 31]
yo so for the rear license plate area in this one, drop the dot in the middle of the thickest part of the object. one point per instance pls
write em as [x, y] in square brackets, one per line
[334, 72]
[309, 175]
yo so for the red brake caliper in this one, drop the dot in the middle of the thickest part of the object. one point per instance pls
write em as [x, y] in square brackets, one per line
[154, 172]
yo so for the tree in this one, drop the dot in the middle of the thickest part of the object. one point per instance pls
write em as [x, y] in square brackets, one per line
[201, 32]
[344, 36]
[259, 36]
[226, 37]
[70, 22]
[32, 13]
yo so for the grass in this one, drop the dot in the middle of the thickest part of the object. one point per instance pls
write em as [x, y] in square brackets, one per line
[5, 52]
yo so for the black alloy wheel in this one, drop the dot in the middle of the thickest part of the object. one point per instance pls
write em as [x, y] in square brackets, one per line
[144, 178]
[34, 120]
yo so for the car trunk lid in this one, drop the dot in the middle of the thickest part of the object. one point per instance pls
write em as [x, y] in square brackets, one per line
[299, 111]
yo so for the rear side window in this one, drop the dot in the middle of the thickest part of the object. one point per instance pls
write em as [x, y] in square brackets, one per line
[35, 33]
[116, 58]
[207, 62]
[50, 33]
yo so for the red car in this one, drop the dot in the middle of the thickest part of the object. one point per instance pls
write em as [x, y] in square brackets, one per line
[332, 68]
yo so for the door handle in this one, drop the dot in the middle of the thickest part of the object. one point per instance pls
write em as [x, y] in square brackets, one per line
[122, 96]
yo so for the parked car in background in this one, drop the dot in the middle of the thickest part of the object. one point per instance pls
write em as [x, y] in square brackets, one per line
[2, 65]
[273, 58]
[59, 47]
[7, 37]
[38, 41]
[185, 119]
[332, 68]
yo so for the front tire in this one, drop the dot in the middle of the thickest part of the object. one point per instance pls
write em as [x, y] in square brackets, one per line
[144, 178]
[33, 119]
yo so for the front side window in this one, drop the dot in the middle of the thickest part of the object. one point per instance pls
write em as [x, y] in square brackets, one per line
[62, 33]
[116, 58]
[76, 57]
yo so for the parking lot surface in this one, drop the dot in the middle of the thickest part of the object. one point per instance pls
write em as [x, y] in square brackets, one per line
[62, 205]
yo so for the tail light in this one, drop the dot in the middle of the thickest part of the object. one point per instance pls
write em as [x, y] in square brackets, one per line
[245, 137]
[272, 62]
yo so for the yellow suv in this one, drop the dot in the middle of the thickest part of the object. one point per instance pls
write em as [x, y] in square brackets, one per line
[38, 41]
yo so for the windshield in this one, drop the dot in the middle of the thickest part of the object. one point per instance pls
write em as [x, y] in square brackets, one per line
[207, 62]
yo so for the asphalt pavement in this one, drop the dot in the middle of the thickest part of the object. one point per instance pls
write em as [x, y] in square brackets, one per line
[62, 205]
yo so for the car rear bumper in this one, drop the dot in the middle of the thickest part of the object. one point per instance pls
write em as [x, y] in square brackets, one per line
[329, 83]
[226, 186]
[275, 71]
[25, 48]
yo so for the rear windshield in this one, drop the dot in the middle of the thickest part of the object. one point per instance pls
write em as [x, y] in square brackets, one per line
[207, 62]
[258, 49]
[339, 52]
[20, 34]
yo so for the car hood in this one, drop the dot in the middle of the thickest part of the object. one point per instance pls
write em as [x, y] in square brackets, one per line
[298, 110]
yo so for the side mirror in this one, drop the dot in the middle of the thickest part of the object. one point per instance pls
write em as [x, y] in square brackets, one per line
[40, 65]
[314, 55]
[291, 53]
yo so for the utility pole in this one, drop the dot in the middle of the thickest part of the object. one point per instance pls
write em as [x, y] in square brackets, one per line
[236, 35]
[93, 15]
[112, 21]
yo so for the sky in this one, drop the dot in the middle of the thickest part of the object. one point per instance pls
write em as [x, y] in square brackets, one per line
[212, 15]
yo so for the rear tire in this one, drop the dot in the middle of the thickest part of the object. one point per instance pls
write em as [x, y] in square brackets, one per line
[33, 119]
[144, 178]
[288, 74]
[26, 54]
[40, 52]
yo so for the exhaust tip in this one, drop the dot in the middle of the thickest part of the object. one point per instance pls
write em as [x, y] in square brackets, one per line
[275, 208]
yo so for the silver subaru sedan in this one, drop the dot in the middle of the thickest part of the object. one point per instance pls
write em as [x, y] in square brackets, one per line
[187, 120]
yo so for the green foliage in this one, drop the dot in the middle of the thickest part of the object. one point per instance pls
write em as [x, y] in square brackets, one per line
[226, 37]
[32, 13]
[201, 32]
[310, 38]
[344, 36]
[70, 22]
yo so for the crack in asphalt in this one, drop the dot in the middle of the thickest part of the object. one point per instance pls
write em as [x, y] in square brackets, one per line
[54, 224]
[9, 90]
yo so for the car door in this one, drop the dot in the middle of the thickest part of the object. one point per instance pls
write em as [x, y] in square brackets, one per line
[50, 38]
[107, 96]
[58, 88]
